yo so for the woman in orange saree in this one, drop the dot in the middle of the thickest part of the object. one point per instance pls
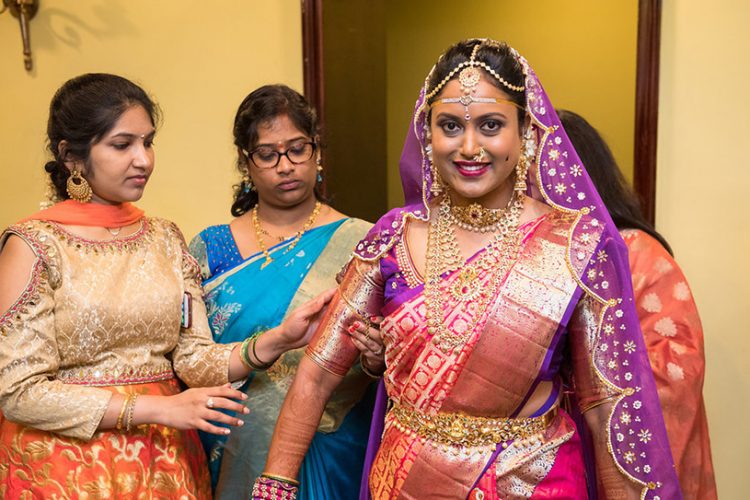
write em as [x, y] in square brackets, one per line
[667, 312]
[500, 280]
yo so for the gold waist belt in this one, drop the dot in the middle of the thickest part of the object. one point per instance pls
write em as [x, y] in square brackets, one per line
[465, 430]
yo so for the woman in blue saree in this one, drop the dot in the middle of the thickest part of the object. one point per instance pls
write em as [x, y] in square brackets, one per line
[283, 247]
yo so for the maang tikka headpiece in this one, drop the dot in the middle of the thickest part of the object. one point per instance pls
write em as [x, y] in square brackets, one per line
[469, 78]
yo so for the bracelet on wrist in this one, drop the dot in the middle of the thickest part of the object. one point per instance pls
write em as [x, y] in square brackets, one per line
[270, 487]
[131, 411]
[245, 347]
[123, 410]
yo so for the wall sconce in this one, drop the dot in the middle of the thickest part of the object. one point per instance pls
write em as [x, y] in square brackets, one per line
[24, 10]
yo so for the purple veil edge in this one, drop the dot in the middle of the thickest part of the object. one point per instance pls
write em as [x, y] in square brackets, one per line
[558, 178]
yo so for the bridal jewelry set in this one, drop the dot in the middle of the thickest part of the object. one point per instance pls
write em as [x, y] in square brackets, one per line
[479, 279]
[444, 256]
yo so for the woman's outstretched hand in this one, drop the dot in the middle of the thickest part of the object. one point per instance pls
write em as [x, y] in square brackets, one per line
[197, 408]
[299, 327]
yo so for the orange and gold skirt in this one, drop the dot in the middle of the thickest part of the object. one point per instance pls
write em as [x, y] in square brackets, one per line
[152, 461]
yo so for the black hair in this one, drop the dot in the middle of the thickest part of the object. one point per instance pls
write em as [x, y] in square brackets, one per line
[618, 197]
[496, 55]
[83, 111]
[259, 108]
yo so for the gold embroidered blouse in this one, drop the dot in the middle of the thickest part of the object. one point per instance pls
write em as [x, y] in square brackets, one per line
[101, 313]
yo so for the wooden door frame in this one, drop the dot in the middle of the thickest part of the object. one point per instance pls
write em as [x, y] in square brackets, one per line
[646, 98]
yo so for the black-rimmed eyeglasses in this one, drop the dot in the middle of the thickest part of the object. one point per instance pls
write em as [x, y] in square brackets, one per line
[267, 157]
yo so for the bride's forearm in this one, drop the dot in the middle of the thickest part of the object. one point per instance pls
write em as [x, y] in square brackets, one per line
[299, 418]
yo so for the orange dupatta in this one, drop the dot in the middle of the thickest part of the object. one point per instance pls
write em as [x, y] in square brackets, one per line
[89, 214]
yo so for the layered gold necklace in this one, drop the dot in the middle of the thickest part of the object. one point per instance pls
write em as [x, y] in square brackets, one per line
[259, 231]
[466, 290]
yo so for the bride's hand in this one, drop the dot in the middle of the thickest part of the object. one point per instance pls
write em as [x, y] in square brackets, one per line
[370, 343]
[299, 327]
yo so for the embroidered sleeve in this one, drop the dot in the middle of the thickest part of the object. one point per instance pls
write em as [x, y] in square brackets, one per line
[29, 359]
[614, 383]
[360, 296]
[197, 359]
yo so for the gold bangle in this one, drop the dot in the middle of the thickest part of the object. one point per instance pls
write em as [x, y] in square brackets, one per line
[283, 479]
[365, 369]
[123, 408]
[131, 411]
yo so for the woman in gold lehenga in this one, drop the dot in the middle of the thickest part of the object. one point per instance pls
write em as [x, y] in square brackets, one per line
[101, 311]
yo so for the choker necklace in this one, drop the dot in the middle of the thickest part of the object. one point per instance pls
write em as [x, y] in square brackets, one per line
[476, 218]
[477, 282]
[259, 232]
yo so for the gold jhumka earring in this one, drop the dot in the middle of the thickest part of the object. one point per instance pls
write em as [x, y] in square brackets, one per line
[247, 184]
[528, 151]
[77, 187]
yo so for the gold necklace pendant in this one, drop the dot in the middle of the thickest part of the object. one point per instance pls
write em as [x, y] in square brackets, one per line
[259, 231]
[443, 255]
[465, 287]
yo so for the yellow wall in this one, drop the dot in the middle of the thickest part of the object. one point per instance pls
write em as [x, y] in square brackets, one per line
[583, 51]
[198, 59]
[702, 185]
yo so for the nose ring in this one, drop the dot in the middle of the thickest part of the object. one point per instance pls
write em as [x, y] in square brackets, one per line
[480, 155]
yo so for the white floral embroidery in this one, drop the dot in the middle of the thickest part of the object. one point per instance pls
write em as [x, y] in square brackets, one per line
[677, 348]
[675, 372]
[651, 303]
[662, 265]
[681, 291]
[644, 436]
[666, 327]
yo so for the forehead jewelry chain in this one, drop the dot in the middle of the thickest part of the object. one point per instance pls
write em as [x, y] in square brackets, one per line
[469, 78]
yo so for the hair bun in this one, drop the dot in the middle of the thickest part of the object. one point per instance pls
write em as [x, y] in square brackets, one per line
[50, 166]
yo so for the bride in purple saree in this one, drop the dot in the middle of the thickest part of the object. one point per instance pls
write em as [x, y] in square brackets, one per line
[507, 298]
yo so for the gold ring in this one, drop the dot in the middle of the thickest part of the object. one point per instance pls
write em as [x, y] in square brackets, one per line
[210, 403]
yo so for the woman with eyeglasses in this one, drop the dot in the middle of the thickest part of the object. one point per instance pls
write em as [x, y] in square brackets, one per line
[284, 246]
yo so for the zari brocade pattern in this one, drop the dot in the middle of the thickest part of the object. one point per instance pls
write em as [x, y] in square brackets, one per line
[490, 376]
[101, 313]
[151, 461]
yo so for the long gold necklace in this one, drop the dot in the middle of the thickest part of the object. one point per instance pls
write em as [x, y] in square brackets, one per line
[443, 255]
[259, 233]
